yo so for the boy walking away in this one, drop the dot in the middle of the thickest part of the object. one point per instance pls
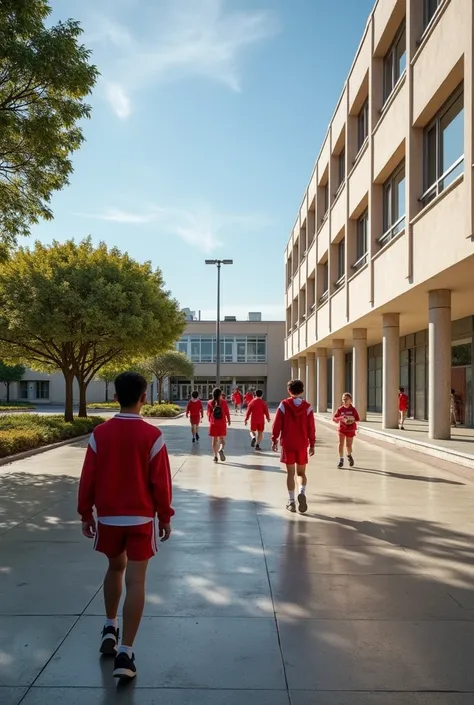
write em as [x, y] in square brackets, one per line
[257, 412]
[402, 407]
[346, 418]
[295, 429]
[238, 400]
[126, 477]
[219, 418]
[248, 397]
[195, 413]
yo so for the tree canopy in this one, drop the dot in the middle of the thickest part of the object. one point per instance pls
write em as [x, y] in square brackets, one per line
[45, 74]
[75, 307]
[9, 374]
[170, 363]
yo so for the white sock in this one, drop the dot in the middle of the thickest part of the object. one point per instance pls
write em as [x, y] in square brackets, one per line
[112, 623]
[126, 650]
[303, 489]
[291, 495]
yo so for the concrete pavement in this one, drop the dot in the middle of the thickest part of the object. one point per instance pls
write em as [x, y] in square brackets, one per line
[366, 600]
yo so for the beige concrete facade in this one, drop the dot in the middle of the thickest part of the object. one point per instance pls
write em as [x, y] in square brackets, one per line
[386, 226]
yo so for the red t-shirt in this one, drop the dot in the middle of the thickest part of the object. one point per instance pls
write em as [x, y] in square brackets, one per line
[403, 402]
[258, 410]
[346, 418]
[194, 409]
[248, 397]
[237, 397]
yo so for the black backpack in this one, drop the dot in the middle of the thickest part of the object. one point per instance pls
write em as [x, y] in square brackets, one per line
[217, 412]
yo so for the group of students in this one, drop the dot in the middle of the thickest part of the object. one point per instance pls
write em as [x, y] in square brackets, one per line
[126, 481]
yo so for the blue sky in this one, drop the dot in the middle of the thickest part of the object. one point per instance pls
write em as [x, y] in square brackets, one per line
[206, 123]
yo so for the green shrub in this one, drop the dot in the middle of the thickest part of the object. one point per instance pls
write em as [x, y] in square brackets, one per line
[6, 405]
[21, 432]
[161, 410]
[104, 405]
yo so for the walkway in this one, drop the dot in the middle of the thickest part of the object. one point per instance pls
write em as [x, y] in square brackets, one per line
[371, 592]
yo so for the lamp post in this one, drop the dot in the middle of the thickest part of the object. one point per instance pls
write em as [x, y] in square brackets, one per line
[218, 263]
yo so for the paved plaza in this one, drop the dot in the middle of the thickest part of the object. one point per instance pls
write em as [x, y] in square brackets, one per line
[366, 600]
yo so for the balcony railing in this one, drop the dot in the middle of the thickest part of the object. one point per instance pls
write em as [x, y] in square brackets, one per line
[394, 230]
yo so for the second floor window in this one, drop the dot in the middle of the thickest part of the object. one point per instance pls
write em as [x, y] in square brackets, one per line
[341, 260]
[429, 10]
[363, 124]
[444, 147]
[325, 198]
[393, 205]
[394, 63]
[362, 239]
[341, 168]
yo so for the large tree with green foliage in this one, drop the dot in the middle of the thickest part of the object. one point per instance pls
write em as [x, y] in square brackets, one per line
[170, 363]
[110, 372]
[9, 374]
[75, 307]
[45, 75]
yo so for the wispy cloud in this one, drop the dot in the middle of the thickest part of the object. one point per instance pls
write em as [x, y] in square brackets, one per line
[202, 228]
[191, 37]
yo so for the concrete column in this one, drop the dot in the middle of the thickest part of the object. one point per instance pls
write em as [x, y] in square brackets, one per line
[302, 369]
[311, 379]
[359, 370]
[322, 380]
[294, 369]
[390, 369]
[439, 364]
[338, 372]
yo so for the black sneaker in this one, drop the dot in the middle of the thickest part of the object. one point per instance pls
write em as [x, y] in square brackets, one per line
[351, 460]
[124, 666]
[197, 436]
[257, 447]
[253, 442]
[291, 506]
[109, 643]
[402, 428]
[222, 455]
[194, 440]
[340, 463]
[302, 503]
[216, 459]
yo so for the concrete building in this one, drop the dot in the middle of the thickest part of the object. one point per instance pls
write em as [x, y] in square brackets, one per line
[380, 264]
[41, 388]
[252, 355]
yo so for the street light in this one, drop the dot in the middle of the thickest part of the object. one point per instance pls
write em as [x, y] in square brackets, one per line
[218, 263]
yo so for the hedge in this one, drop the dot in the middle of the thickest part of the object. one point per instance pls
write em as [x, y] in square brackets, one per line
[161, 410]
[104, 405]
[22, 432]
[13, 405]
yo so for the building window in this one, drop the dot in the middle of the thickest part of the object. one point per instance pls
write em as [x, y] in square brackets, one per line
[233, 348]
[252, 349]
[42, 390]
[23, 389]
[324, 282]
[183, 345]
[362, 240]
[363, 124]
[429, 10]
[341, 168]
[325, 199]
[444, 147]
[395, 62]
[393, 205]
[341, 262]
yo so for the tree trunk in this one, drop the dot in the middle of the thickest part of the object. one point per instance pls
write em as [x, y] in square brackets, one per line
[107, 391]
[68, 405]
[160, 389]
[82, 398]
[8, 390]
[151, 392]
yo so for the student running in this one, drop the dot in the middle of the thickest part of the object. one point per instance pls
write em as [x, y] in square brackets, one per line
[346, 418]
[219, 418]
[238, 400]
[126, 477]
[294, 428]
[402, 407]
[248, 397]
[195, 413]
[257, 412]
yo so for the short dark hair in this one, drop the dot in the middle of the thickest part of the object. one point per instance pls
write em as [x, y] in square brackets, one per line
[195, 395]
[402, 389]
[295, 386]
[129, 388]
[259, 393]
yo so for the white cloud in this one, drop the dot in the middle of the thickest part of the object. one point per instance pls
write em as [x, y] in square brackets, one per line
[190, 37]
[201, 227]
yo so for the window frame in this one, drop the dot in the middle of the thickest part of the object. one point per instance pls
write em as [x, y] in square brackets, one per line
[325, 280]
[392, 229]
[363, 119]
[341, 168]
[325, 188]
[431, 191]
[341, 262]
[393, 57]
[362, 233]
[40, 393]
[427, 19]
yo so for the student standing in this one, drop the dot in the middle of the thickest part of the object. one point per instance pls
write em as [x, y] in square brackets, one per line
[219, 418]
[402, 407]
[238, 399]
[126, 477]
[257, 412]
[195, 413]
[294, 428]
[346, 418]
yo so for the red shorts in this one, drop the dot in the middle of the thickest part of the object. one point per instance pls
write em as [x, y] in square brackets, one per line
[138, 542]
[347, 433]
[294, 457]
[195, 420]
[218, 429]
[257, 427]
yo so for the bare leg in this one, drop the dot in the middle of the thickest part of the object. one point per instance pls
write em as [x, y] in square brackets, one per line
[259, 437]
[222, 443]
[349, 442]
[113, 585]
[301, 472]
[290, 478]
[215, 445]
[341, 445]
[134, 601]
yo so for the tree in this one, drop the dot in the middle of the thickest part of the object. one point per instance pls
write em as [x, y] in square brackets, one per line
[75, 307]
[169, 364]
[44, 76]
[9, 374]
[110, 372]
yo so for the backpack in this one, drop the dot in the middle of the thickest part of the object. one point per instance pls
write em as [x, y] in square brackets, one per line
[217, 412]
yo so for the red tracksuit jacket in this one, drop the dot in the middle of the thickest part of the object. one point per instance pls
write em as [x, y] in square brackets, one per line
[294, 425]
[126, 471]
[258, 410]
[194, 409]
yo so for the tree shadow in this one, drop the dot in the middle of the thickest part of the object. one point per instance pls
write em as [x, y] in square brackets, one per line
[404, 476]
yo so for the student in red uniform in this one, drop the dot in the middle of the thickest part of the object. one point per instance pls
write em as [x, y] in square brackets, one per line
[346, 418]
[402, 407]
[126, 477]
[195, 413]
[248, 397]
[219, 418]
[238, 399]
[295, 429]
[257, 412]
